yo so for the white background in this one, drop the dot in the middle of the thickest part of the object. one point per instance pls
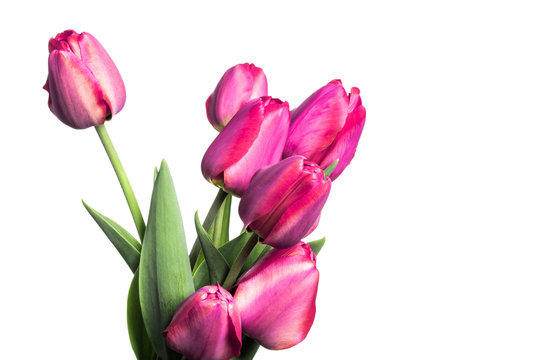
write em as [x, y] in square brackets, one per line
[433, 239]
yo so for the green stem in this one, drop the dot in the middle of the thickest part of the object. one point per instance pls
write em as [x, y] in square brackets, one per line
[196, 249]
[123, 179]
[240, 261]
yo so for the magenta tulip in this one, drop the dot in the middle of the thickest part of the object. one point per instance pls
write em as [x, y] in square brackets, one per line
[327, 127]
[85, 87]
[284, 201]
[254, 138]
[206, 326]
[276, 297]
[238, 85]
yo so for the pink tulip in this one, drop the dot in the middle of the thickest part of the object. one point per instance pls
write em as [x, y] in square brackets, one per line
[327, 127]
[238, 85]
[276, 297]
[254, 138]
[284, 201]
[206, 326]
[85, 87]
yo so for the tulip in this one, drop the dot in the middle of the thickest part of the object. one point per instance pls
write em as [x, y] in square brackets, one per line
[254, 138]
[284, 201]
[238, 85]
[327, 127]
[85, 87]
[276, 297]
[206, 325]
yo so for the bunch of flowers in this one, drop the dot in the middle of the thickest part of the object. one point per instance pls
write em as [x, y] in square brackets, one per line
[226, 297]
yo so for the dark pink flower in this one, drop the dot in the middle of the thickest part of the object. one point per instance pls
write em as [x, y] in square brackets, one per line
[206, 326]
[276, 297]
[238, 85]
[284, 201]
[254, 138]
[327, 127]
[85, 87]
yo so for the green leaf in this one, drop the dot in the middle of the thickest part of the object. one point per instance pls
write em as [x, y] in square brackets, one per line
[330, 169]
[230, 251]
[221, 224]
[128, 247]
[155, 173]
[165, 273]
[215, 262]
[140, 342]
[317, 245]
[208, 220]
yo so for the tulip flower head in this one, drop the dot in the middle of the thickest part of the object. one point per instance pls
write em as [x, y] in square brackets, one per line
[84, 85]
[254, 138]
[284, 201]
[206, 326]
[276, 297]
[239, 84]
[327, 127]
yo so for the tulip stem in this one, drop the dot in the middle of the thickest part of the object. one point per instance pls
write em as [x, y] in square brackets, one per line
[240, 261]
[196, 249]
[123, 179]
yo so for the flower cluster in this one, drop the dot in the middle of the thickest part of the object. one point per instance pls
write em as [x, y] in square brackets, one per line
[261, 287]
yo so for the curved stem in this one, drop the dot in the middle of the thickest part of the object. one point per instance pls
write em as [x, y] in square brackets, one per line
[240, 261]
[123, 179]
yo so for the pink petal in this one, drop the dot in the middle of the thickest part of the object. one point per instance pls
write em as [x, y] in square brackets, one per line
[267, 148]
[267, 187]
[74, 94]
[316, 122]
[346, 142]
[298, 213]
[107, 75]
[276, 297]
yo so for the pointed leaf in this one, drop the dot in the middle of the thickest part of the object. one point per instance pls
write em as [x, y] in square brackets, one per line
[155, 173]
[140, 342]
[330, 169]
[221, 224]
[128, 247]
[215, 262]
[230, 251]
[165, 273]
[317, 245]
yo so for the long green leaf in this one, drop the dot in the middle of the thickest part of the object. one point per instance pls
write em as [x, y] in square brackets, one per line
[317, 245]
[222, 222]
[140, 342]
[128, 247]
[215, 262]
[165, 273]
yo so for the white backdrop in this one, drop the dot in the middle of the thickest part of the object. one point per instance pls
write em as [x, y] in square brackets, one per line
[433, 238]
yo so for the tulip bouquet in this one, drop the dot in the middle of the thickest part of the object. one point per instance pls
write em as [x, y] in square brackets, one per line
[225, 297]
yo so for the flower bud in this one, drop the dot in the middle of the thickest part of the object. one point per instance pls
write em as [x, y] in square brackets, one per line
[85, 87]
[284, 201]
[206, 326]
[238, 85]
[327, 127]
[254, 138]
[276, 297]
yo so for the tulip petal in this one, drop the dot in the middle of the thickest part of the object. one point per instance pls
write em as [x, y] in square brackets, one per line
[346, 142]
[276, 297]
[298, 213]
[234, 141]
[266, 149]
[267, 187]
[316, 122]
[74, 94]
[107, 75]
